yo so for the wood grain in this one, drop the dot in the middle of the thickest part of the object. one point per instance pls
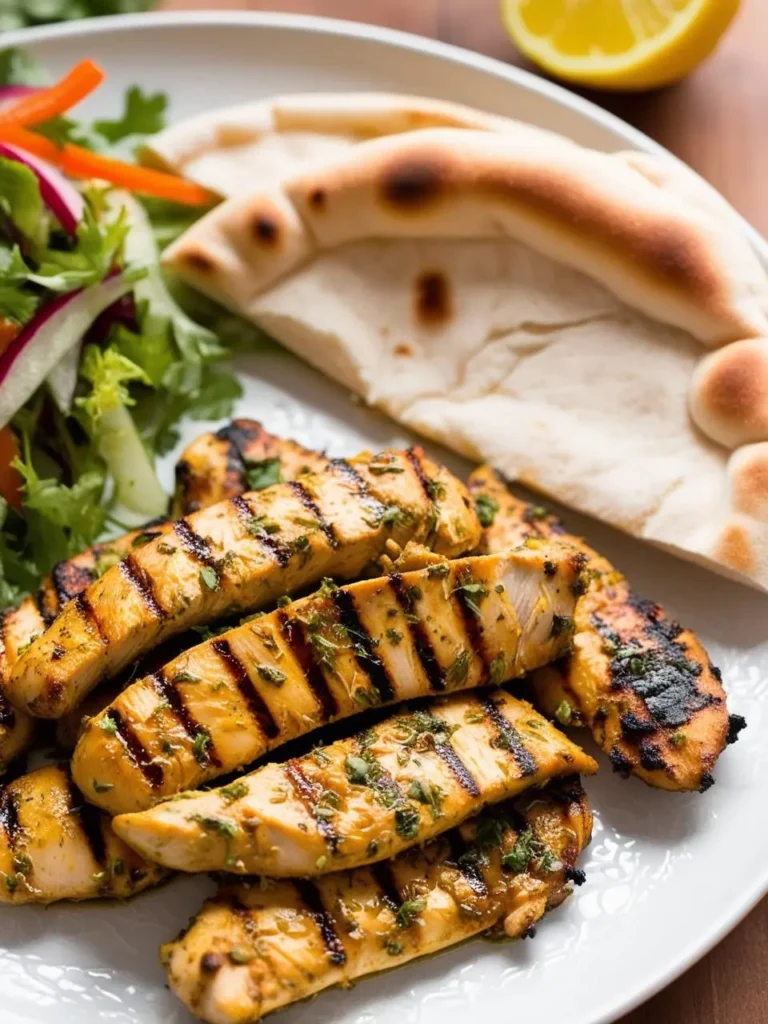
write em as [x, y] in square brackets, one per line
[717, 122]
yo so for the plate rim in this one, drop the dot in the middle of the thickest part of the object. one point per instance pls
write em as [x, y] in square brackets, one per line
[696, 949]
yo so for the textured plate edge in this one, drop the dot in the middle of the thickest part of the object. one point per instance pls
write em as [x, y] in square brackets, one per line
[634, 138]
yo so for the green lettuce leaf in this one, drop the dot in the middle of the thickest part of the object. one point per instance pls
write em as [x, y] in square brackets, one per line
[17, 302]
[109, 372]
[95, 253]
[20, 198]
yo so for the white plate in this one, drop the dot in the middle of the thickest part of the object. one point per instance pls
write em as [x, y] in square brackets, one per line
[667, 875]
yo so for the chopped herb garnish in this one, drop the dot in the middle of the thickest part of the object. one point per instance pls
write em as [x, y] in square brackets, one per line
[227, 829]
[498, 669]
[108, 724]
[436, 490]
[366, 698]
[308, 524]
[327, 587]
[209, 577]
[284, 601]
[427, 793]
[270, 674]
[440, 570]
[260, 526]
[394, 636]
[677, 739]
[240, 955]
[394, 515]
[265, 473]
[407, 822]
[102, 787]
[561, 626]
[528, 851]
[185, 677]
[165, 549]
[11, 883]
[392, 947]
[22, 863]
[144, 538]
[487, 507]
[321, 862]
[564, 713]
[472, 594]
[234, 791]
[459, 670]
[409, 911]
[357, 770]
[200, 745]
[118, 867]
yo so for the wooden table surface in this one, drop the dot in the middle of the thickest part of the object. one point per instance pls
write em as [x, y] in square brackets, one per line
[717, 121]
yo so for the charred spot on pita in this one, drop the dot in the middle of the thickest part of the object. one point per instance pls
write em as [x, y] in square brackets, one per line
[432, 298]
[317, 198]
[411, 184]
[403, 349]
[198, 261]
[265, 229]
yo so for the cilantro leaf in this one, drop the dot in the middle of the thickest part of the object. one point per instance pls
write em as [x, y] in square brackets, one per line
[143, 114]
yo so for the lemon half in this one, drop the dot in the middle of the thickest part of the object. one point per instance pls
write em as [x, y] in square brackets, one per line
[618, 44]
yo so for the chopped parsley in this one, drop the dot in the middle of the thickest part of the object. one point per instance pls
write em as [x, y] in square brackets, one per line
[487, 507]
[228, 829]
[439, 571]
[102, 787]
[394, 515]
[677, 739]
[564, 713]
[261, 526]
[562, 625]
[108, 724]
[528, 851]
[357, 770]
[200, 745]
[409, 911]
[498, 669]
[407, 822]
[209, 577]
[459, 670]
[270, 674]
[185, 677]
[265, 473]
[427, 793]
[234, 791]
[394, 636]
[472, 594]
[240, 955]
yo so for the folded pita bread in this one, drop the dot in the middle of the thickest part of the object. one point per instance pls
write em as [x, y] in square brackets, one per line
[530, 303]
[253, 145]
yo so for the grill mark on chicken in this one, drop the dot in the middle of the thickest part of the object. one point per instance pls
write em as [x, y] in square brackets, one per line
[364, 646]
[509, 738]
[141, 581]
[245, 513]
[473, 628]
[313, 508]
[385, 879]
[310, 897]
[168, 692]
[363, 491]
[252, 697]
[89, 618]
[236, 440]
[9, 817]
[40, 603]
[7, 714]
[183, 479]
[413, 457]
[89, 818]
[193, 543]
[135, 749]
[305, 792]
[421, 642]
[69, 580]
[458, 769]
[293, 633]
[468, 867]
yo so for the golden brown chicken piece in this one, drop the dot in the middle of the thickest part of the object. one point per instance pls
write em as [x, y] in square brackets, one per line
[363, 799]
[56, 846]
[643, 684]
[208, 478]
[255, 948]
[352, 516]
[222, 704]
[228, 462]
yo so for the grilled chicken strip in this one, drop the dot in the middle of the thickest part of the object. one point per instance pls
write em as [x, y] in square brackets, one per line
[231, 699]
[238, 556]
[227, 463]
[56, 846]
[363, 799]
[209, 471]
[642, 683]
[255, 948]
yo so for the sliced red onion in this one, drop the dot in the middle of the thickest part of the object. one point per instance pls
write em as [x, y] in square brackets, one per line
[59, 195]
[9, 93]
[47, 338]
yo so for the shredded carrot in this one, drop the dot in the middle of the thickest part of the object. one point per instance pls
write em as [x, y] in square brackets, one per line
[10, 478]
[58, 99]
[33, 143]
[81, 163]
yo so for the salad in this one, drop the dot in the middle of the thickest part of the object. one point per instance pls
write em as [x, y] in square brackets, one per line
[99, 356]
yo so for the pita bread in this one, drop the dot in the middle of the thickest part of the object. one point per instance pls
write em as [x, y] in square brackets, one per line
[532, 304]
[254, 145]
